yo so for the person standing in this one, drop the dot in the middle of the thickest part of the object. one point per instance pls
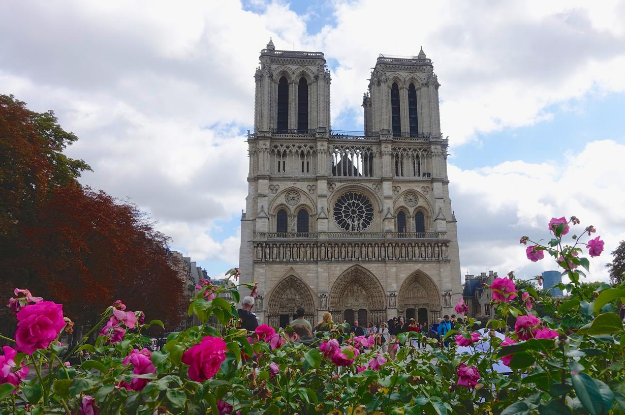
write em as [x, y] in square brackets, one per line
[326, 323]
[385, 337]
[414, 327]
[249, 321]
[301, 320]
[357, 330]
[443, 328]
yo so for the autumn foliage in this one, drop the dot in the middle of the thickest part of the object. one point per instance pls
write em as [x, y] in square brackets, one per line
[67, 242]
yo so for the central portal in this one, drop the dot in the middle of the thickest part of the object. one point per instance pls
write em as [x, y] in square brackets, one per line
[358, 294]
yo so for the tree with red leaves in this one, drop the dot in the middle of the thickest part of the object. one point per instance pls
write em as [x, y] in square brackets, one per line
[66, 242]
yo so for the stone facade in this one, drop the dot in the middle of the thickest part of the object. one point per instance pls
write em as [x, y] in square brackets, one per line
[476, 296]
[358, 225]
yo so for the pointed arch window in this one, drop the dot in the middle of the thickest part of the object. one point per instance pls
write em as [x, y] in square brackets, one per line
[302, 106]
[395, 110]
[283, 104]
[401, 222]
[412, 111]
[302, 221]
[282, 221]
[419, 220]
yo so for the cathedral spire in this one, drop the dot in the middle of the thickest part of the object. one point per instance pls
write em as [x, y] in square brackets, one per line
[270, 45]
[421, 54]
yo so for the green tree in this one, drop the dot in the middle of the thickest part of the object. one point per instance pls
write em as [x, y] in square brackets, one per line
[617, 266]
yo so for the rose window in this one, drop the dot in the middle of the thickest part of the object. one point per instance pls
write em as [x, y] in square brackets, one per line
[353, 212]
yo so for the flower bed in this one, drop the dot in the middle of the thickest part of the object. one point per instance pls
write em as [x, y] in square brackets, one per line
[570, 360]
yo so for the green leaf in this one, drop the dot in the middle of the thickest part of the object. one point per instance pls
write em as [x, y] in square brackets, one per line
[584, 262]
[591, 395]
[559, 389]
[94, 364]
[79, 385]
[221, 303]
[522, 360]
[61, 387]
[542, 380]
[177, 397]
[158, 323]
[607, 296]
[235, 349]
[620, 400]
[158, 357]
[235, 295]
[543, 345]
[88, 347]
[6, 389]
[554, 407]
[103, 392]
[33, 392]
[607, 323]
[313, 357]
[518, 408]
[568, 305]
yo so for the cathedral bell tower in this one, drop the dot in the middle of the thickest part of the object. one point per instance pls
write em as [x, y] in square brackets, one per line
[359, 226]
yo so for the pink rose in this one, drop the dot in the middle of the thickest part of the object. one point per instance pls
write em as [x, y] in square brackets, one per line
[264, 332]
[140, 359]
[204, 359]
[127, 317]
[524, 240]
[526, 326]
[23, 298]
[377, 362]
[463, 341]
[461, 307]
[595, 247]
[534, 254]
[87, 406]
[567, 263]
[118, 305]
[545, 333]
[38, 325]
[209, 293]
[340, 358]
[113, 331]
[276, 341]
[329, 348]
[254, 292]
[503, 290]
[9, 371]
[554, 222]
[467, 376]
[224, 408]
[361, 342]
[528, 300]
[506, 359]
[360, 369]
[274, 369]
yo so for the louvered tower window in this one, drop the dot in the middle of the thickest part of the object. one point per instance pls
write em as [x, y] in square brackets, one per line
[283, 104]
[302, 106]
[395, 117]
[412, 111]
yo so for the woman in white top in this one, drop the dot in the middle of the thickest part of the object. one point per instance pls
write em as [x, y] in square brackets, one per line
[385, 337]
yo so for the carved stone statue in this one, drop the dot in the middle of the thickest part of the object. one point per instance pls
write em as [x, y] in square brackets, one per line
[392, 299]
[323, 301]
[258, 303]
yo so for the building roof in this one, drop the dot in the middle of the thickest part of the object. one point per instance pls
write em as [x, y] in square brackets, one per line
[471, 286]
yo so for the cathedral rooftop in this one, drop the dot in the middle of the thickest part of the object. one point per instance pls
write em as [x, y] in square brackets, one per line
[418, 60]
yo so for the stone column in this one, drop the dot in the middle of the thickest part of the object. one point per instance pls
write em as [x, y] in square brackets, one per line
[403, 110]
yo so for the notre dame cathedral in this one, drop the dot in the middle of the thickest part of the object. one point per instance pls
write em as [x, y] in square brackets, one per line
[358, 225]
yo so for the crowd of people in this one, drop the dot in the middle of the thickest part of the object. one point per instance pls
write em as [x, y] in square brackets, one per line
[385, 333]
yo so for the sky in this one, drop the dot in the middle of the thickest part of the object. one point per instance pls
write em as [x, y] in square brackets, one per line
[161, 94]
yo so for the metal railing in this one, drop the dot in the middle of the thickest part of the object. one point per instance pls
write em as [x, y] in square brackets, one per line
[350, 235]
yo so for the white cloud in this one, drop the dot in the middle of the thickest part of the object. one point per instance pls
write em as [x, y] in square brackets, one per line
[501, 65]
[520, 199]
[159, 94]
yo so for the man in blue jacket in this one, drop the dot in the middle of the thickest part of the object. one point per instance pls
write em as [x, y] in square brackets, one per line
[443, 328]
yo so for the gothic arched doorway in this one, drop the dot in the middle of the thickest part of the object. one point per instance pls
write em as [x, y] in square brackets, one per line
[357, 293]
[286, 297]
[420, 297]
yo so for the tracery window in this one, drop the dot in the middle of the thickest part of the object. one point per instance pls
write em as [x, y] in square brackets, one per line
[419, 220]
[401, 222]
[353, 212]
[395, 111]
[302, 221]
[302, 106]
[412, 111]
[305, 160]
[355, 161]
[282, 221]
[283, 104]
[281, 156]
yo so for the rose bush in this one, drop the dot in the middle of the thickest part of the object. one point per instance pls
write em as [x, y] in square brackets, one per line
[567, 359]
